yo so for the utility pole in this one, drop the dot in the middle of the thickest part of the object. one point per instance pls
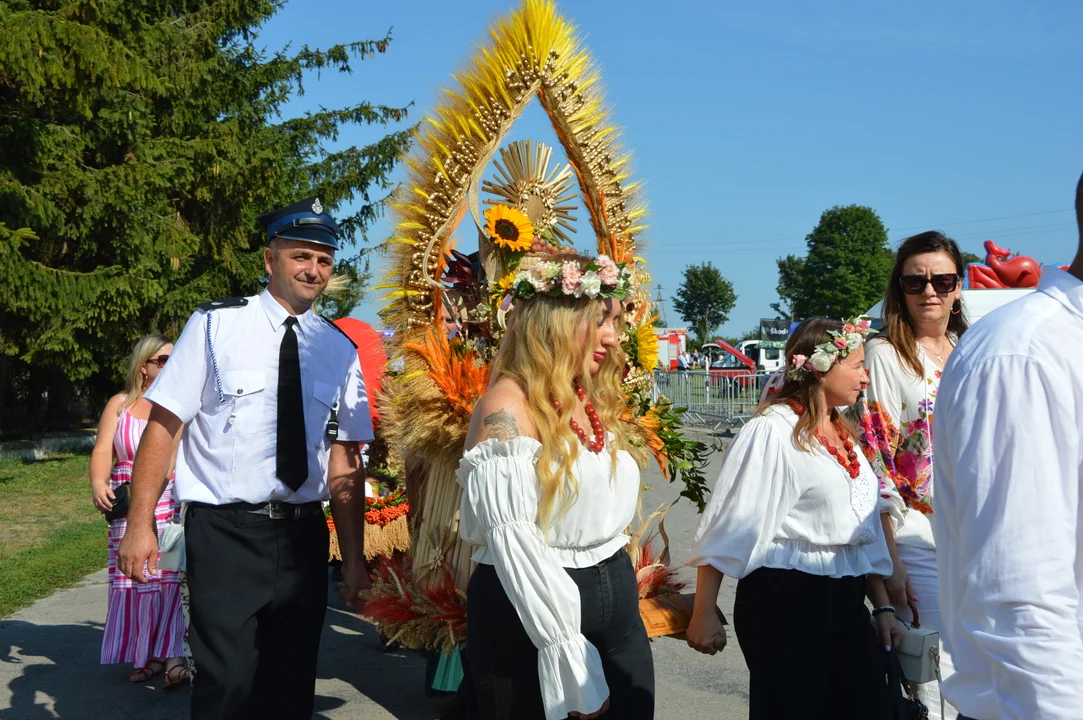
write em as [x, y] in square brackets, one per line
[659, 303]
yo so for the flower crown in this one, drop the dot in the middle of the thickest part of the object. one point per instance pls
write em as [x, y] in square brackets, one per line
[842, 343]
[598, 277]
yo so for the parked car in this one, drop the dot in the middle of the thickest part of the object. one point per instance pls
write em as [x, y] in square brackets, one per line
[768, 355]
[729, 367]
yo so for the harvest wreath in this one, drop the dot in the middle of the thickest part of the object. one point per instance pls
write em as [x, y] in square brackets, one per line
[387, 530]
[446, 309]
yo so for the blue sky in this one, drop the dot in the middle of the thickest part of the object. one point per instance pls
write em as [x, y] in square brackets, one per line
[748, 120]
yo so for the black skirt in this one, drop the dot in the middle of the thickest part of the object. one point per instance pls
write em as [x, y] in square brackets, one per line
[810, 647]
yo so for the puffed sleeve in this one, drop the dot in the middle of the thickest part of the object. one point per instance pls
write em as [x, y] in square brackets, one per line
[877, 414]
[179, 386]
[754, 493]
[499, 509]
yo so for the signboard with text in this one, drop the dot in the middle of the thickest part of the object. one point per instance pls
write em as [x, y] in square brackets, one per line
[776, 332]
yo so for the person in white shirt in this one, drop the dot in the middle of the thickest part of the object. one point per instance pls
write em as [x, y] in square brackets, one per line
[794, 516]
[1008, 520]
[553, 627]
[274, 408]
[923, 319]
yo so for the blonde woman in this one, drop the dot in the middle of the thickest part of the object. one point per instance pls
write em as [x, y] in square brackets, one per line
[794, 516]
[144, 624]
[553, 626]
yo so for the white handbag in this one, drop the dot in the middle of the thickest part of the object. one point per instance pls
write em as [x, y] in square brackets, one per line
[919, 651]
[171, 545]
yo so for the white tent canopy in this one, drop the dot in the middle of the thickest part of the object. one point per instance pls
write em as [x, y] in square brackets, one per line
[977, 303]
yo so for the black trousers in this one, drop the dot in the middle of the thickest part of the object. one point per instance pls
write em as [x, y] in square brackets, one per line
[810, 647]
[258, 596]
[503, 662]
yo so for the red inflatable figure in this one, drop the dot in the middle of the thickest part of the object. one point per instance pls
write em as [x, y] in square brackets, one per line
[1003, 271]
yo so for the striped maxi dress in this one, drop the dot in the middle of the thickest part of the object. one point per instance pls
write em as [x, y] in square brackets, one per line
[143, 621]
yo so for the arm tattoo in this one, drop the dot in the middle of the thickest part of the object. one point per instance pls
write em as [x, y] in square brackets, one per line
[501, 426]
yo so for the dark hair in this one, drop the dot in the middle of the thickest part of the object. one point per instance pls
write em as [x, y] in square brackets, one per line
[805, 338]
[898, 326]
[1079, 207]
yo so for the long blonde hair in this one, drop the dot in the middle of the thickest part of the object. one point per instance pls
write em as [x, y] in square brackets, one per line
[804, 340]
[143, 350]
[540, 352]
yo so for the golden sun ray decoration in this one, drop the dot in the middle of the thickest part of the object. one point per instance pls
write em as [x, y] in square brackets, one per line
[532, 53]
[525, 182]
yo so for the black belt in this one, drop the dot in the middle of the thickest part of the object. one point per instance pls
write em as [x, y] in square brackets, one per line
[274, 509]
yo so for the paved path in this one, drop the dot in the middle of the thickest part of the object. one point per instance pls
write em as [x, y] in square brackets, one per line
[49, 660]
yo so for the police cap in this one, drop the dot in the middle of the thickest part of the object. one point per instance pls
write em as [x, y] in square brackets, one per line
[305, 220]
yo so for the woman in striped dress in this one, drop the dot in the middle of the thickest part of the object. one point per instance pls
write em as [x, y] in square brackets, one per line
[145, 623]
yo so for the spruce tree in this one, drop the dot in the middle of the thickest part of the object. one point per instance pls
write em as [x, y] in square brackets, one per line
[138, 143]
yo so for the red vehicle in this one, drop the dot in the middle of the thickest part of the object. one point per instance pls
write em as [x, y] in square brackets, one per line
[729, 367]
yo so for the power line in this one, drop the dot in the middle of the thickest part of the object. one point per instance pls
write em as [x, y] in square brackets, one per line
[752, 250]
[991, 233]
[971, 222]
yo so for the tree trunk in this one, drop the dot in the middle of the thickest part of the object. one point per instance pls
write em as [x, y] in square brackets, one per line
[35, 392]
[58, 412]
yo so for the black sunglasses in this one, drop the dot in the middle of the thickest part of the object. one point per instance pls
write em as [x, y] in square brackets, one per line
[915, 284]
[159, 361]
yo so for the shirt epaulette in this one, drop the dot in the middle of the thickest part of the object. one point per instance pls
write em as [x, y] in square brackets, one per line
[336, 327]
[233, 302]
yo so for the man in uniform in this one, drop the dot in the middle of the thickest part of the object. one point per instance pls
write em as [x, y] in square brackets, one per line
[274, 409]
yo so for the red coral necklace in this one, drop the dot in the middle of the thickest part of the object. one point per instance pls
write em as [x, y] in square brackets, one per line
[850, 462]
[598, 443]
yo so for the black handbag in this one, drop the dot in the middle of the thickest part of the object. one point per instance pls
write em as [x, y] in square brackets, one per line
[904, 706]
[122, 500]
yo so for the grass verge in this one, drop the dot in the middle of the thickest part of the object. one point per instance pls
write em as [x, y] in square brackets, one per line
[50, 534]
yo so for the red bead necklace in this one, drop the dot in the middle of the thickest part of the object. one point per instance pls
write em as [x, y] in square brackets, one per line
[598, 443]
[850, 462]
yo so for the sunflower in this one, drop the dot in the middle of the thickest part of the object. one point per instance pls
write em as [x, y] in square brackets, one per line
[647, 346]
[502, 286]
[509, 228]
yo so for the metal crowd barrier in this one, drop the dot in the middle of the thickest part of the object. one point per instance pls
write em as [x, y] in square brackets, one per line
[713, 401]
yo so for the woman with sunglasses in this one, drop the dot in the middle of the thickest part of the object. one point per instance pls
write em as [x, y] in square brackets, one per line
[922, 320]
[144, 624]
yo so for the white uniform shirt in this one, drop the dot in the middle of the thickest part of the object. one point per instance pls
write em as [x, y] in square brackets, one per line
[775, 505]
[1009, 541]
[227, 453]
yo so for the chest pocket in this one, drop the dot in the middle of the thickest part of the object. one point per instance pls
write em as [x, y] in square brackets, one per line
[245, 406]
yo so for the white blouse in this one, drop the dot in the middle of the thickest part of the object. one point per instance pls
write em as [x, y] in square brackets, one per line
[776, 506]
[499, 513]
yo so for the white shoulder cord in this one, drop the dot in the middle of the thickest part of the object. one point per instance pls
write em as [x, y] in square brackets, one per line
[214, 363]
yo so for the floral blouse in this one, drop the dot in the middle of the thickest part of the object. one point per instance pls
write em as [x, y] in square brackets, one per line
[895, 429]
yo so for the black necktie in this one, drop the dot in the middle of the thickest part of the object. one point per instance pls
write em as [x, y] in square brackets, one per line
[291, 458]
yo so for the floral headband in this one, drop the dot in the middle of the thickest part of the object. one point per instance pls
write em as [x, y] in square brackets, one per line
[842, 343]
[600, 277]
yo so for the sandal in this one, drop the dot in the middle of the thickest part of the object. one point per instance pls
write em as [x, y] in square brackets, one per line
[177, 675]
[146, 672]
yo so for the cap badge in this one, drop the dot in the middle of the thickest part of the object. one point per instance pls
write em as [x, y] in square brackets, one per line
[317, 208]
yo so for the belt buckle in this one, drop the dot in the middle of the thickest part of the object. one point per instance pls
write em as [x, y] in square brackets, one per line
[277, 511]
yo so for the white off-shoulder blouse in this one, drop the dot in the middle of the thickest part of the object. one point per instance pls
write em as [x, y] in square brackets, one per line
[775, 505]
[499, 513]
